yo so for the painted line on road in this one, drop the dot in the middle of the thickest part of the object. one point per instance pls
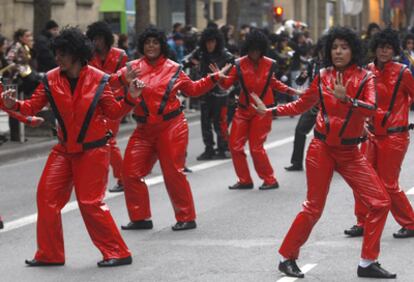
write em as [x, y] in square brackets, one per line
[21, 222]
[410, 192]
[305, 269]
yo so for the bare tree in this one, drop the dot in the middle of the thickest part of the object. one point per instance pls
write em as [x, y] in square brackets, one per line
[142, 15]
[232, 17]
[42, 12]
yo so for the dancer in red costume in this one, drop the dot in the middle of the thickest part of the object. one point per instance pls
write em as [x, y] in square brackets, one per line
[346, 94]
[389, 138]
[255, 72]
[162, 131]
[109, 60]
[81, 100]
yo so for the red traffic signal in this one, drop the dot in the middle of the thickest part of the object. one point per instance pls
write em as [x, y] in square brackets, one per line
[278, 13]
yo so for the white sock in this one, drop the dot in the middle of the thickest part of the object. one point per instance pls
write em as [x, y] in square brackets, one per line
[365, 262]
[283, 259]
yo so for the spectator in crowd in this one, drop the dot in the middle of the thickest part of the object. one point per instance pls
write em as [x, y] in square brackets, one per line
[372, 29]
[407, 55]
[124, 44]
[177, 47]
[42, 48]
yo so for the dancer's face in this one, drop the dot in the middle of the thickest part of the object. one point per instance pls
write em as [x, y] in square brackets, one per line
[384, 53]
[64, 60]
[152, 48]
[341, 53]
[254, 55]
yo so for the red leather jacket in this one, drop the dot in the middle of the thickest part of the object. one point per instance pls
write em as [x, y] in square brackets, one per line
[115, 60]
[14, 114]
[82, 114]
[337, 122]
[260, 81]
[163, 80]
[395, 119]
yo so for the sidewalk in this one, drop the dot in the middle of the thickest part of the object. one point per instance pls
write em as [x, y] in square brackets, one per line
[36, 146]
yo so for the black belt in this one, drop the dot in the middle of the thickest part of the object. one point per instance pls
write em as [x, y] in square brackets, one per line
[98, 143]
[168, 116]
[344, 141]
[398, 129]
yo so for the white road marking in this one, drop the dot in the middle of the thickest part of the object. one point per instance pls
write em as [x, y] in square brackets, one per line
[305, 268]
[410, 192]
[21, 222]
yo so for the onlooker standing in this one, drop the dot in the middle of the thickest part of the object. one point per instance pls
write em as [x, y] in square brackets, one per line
[42, 50]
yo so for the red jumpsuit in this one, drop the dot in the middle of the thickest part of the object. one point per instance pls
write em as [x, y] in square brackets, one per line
[339, 126]
[81, 159]
[247, 125]
[161, 133]
[388, 140]
[115, 60]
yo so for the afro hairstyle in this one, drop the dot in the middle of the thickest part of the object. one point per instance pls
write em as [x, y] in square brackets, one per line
[73, 42]
[386, 36]
[350, 37]
[100, 28]
[256, 40]
[212, 33]
[159, 35]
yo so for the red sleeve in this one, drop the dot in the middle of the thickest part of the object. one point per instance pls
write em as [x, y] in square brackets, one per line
[280, 86]
[305, 102]
[35, 104]
[112, 108]
[118, 80]
[408, 83]
[196, 88]
[230, 80]
[366, 104]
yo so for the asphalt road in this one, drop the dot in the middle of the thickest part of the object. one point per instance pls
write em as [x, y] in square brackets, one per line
[238, 232]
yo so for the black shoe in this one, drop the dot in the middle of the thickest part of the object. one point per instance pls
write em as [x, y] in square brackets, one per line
[404, 233]
[374, 270]
[269, 186]
[187, 170]
[1, 223]
[290, 268]
[35, 262]
[241, 186]
[206, 155]
[180, 225]
[138, 225]
[222, 155]
[354, 231]
[294, 168]
[115, 262]
[117, 188]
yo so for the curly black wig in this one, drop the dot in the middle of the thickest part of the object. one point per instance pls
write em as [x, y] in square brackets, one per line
[408, 36]
[256, 41]
[100, 29]
[211, 34]
[370, 28]
[386, 36]
[159, 35]
[72, 41]
[351, 38]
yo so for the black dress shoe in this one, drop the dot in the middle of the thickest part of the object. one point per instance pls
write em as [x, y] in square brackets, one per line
[269, 186]
[354, 231]
[290, 268]
[187, 170]
[374, 270]
[241, 186]
[115, 262]
[206, 155]
[404, 233]
[180, 225]
[138, 225]
[294, 168]
[117, 188]
[35, 262]
[221, 155]
[1, 224]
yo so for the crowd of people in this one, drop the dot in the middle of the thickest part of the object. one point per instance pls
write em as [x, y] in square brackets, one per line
[361, 127]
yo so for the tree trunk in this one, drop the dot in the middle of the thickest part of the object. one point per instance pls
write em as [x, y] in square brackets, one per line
[232, 17]
[188, 15]
[142, 15]
[42, 11]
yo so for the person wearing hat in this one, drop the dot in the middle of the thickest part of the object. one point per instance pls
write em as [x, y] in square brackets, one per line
[42, 47]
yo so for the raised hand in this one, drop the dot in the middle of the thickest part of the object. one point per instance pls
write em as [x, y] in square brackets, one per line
[36, 121]
[9, 98]
[258, 104]
[132, 74]
[135, 88]
[339, 90]
[221, 72]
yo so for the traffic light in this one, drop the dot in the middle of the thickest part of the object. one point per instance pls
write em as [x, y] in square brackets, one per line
[278, 13]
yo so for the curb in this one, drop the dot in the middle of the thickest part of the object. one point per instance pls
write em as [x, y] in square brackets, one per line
[29, 150]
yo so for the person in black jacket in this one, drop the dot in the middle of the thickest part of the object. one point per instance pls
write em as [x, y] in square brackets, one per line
[42, 47]
[213, 105]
